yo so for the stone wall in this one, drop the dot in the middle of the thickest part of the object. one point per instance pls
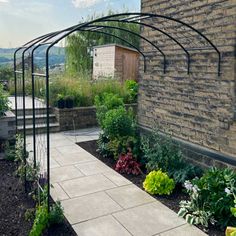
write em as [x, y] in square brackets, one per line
[198, 107]
[7, 125]
[79, 117]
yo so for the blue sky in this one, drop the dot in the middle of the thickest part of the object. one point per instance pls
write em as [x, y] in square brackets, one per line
[22, 20]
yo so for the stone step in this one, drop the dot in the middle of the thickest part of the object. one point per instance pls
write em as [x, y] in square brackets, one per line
[39, 119]
[40, 128]
[29, 111]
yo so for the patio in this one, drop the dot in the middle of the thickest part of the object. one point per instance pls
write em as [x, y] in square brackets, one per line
[99, 201]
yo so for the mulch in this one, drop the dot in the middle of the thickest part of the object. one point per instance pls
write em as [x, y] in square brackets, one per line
[171, 201]
[13, 204]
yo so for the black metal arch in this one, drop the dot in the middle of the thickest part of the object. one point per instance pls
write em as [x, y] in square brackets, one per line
[53, 38]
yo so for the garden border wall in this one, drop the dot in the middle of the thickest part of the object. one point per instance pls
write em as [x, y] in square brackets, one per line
[79, 117]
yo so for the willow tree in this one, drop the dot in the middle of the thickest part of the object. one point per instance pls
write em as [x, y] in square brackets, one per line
[78, 58]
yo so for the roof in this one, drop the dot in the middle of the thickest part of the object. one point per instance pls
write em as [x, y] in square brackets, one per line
[116, 45]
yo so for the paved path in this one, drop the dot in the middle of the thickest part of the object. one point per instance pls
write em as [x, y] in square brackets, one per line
[97, 201]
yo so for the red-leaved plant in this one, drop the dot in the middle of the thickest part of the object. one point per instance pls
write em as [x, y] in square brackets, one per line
[127, 165]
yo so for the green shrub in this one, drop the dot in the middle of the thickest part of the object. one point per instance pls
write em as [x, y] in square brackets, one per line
[118, 123]
[106, 102]
[162, 153]
[41, 221]
[56, 214]
[211, 198]
[132, 87]
[157, 182]
[4, 102]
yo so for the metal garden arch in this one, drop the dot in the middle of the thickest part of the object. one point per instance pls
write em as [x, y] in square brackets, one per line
[96, 26]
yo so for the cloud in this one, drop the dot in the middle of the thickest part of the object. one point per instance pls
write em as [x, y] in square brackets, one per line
[4, 1]
[84, 3]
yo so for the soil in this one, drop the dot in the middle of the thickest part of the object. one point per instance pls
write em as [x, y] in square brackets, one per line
[171, 201]
[13, 204]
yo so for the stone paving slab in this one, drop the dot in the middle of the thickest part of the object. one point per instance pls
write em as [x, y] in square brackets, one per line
[64, 173]
[103, 226]
[57, 193]
[129, 196]
[148, 219]
[73, 159]
[116, 178]
[185, 230]
[89, 207]
[86, 185]
[91, 168]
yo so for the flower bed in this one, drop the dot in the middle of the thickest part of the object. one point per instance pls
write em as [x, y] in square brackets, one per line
[14, 203]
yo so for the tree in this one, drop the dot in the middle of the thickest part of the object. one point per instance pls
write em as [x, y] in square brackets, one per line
[78, 58]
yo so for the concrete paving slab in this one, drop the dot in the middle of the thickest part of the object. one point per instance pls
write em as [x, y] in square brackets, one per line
[129, 196]
[74, 158]
[149, 219]
[116, 178]
[102, 226]
[64, 173]
[86, 185]
[58, 193]
[92, 168]
[53, 163]
[89, 207]
[184, 230]
[70, 149]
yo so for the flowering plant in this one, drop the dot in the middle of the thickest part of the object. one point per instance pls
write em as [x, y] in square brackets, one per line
[211, 199]
[126, 164]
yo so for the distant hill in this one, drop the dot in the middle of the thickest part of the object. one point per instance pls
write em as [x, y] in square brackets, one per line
[57, 56]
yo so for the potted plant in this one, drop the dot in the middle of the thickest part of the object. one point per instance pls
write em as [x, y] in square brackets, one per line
[60, 101]
[69, 101]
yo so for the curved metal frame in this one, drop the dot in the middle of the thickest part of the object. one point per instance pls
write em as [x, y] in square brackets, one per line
[134, 18]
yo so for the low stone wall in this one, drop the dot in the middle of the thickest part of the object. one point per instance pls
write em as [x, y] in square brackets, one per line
[7, 125]
[79, 117]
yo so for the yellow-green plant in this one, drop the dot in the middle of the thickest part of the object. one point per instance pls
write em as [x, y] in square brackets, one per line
[158, 182]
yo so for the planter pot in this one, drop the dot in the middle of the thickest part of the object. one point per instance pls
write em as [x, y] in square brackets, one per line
[69, 103]
[61, 104]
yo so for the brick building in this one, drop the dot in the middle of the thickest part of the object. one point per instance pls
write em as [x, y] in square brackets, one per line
[197, 108]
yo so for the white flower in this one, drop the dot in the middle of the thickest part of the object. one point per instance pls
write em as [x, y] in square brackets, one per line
[188, 185]
[227, 190]
[195, 189]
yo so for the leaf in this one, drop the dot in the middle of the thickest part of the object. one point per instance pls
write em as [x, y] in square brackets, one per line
[190, 219]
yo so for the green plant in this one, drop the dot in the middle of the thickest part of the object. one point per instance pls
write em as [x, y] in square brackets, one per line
[56, 214]
[29, 214]
[41, 221]
[106, 102]
[4, 102]
[210, 198]
[118, 123]
[158, 182]
[132, 87]
[160, 152]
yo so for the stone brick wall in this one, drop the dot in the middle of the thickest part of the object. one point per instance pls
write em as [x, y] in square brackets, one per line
[7, 125]
[79, 117]
[198, 107]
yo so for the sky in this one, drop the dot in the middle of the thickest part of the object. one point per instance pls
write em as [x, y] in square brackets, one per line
[23, 20]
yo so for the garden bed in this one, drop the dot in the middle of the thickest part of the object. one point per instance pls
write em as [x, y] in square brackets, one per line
[171, 201]
[14, 202]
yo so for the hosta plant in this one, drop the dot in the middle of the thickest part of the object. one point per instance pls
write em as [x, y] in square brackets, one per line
[211, 199]
[126, 164]
[158, 182]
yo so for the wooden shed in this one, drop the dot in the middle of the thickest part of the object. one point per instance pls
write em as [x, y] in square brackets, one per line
[117, 61]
